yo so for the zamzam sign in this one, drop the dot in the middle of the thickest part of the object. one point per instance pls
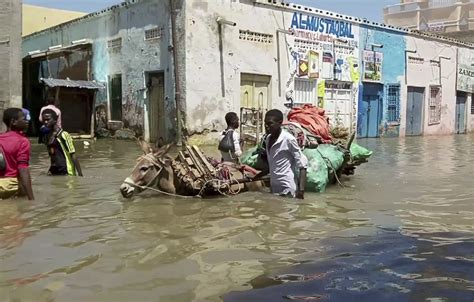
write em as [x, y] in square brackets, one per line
[337, 28]
[466, 72]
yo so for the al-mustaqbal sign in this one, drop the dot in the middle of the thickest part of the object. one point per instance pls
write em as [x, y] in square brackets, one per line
[338, 28]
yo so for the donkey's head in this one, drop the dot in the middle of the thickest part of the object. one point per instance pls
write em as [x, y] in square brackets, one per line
[153, 169]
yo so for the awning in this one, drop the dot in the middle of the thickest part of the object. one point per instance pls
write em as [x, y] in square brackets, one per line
[72, 84]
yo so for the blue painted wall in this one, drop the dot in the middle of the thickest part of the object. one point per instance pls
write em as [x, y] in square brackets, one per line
[393, 68]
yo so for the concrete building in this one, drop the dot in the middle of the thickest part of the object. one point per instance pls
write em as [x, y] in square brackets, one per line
[454, 18]
[10, 54]
[374, 79]
[37, 18]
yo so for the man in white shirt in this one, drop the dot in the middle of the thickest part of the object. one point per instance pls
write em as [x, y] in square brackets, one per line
[284, 156]
[229, 143]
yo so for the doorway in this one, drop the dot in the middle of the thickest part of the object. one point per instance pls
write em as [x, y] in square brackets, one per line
[115, 90]
[156, 107]
[461, 100]
[414, 124]
[371, 110]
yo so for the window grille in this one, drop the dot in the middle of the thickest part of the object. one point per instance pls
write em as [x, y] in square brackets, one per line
[255, 37]
[472, 104]
[393, 102]
[114, 43]
[435, 105]
[305, 92]
[153, 33]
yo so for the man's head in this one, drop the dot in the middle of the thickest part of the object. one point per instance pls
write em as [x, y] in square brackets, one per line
[50, 118]
[15, 119]
[232, 120]
[273, 121]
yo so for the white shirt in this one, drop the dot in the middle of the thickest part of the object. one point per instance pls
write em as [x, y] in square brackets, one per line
[228, 156]
[283, 158]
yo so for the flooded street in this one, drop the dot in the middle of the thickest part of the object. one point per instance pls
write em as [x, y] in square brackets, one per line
[402, 230]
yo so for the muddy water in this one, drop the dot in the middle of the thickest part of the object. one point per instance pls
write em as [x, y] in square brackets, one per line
[402, 230]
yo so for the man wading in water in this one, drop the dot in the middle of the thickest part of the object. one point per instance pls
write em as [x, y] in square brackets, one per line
[284, 156]
[60, 147]
[15, 152]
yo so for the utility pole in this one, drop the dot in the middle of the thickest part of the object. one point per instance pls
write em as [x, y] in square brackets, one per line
[177, 89]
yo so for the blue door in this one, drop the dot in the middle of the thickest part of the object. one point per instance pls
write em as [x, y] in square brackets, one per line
[371, 111]
[461, 99]
[415, 111]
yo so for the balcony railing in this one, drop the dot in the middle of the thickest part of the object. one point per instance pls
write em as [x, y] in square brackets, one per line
[399, 8]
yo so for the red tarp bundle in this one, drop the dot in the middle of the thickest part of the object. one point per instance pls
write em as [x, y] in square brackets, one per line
[312, 119]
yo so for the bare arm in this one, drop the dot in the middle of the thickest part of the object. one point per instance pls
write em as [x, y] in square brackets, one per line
[25, 182]
[76, 164]
[301, 184]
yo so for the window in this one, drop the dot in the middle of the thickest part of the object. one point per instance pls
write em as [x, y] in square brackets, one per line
[435, 105]
[393, 102]
[472, 104]
[305, 92]
[114, 43]
[153, 33]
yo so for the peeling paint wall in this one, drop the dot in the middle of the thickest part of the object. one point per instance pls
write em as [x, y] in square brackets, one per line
[133, 59]
[393, 68]
[427, 61]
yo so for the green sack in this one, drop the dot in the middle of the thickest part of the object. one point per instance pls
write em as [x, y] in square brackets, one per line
[317, 173]
[359, 153]
[332, 154]
[250, 157]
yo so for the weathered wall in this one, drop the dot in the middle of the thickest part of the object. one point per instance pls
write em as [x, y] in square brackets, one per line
[432, 59]
[393, 67]
[255, 51]
[133, 59]
[10, 51]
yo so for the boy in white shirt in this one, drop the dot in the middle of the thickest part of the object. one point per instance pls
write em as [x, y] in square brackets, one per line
[230, 143]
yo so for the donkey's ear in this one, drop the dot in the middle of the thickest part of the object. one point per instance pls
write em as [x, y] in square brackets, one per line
[146, 148]
[163, 150]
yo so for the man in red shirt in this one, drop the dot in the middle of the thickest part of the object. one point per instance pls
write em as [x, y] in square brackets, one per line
[15, 156]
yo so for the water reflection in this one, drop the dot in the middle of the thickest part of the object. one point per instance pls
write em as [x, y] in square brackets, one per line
[400, 226]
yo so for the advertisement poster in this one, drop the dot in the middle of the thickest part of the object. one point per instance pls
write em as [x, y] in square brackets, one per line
[313, 60]
[328, 66]
[303, 68]
[373, 66]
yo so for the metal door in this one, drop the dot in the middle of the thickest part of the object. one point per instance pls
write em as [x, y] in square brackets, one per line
[461, 99]
[414, 124]
[370, 113]
[254, 102]
[338, 106]
[116, 97]
[156, 103]
[371, 116]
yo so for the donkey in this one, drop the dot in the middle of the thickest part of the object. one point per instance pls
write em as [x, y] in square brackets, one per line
[154, 170]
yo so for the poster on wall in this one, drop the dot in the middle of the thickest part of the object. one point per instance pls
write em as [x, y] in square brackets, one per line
[327, 71]
[372, 66]
[303, 68]
[313, 60]
[465, 78]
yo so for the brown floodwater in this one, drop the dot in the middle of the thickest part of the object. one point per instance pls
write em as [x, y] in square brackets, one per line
[401, 230]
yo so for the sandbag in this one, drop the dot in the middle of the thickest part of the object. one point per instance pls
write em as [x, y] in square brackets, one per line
[333, 154]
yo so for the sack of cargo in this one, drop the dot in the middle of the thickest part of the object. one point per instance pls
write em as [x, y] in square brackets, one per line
[317, 173]
[359, 153]
[332, 155]
[250, 157]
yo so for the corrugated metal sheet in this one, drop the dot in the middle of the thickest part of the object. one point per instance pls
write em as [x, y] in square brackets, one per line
[72, 84]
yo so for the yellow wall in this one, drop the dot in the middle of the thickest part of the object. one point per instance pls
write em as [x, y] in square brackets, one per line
[36, 18]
